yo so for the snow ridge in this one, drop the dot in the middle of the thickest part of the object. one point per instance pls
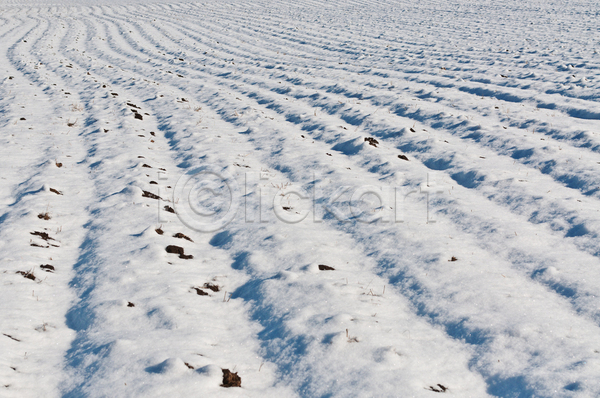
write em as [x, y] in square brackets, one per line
[483, 116]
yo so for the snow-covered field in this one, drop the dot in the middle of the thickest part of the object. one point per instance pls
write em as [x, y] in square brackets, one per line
[405, 198]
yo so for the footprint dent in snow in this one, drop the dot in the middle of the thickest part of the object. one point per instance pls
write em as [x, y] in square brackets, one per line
[170, 366]
[351, 147]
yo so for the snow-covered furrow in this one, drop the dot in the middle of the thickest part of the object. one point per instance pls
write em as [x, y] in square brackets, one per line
[101, 350]
[498, 297]
[507, 147]
[267, 152]
[452, 372]
[571, 166]
[473, 88]
[41, 225]
[346, 42]
[564, 284]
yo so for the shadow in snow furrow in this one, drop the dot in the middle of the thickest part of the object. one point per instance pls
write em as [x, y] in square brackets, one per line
[533, 266]
[273, 324]
[465, 178]
[399, 273]
[10, 30]
[340, 44]
[457, 328]
[459, 321]
[239, 263]
[471, 132]
[479, 137]
[193, 49]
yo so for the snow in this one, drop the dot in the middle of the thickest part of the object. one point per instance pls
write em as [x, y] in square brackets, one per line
[367, 198]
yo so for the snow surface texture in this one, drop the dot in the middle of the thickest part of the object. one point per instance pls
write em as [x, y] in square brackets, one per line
[493, 108]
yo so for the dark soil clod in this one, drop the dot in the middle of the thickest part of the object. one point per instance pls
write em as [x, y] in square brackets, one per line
[58, 164]
[372, 141]
[439, 388]
[56, 191]
[412, 130]
[138, 116]
[42, 235]
[179, 250]
[130, 304]
[200, 292]
[189, 366]
[323, 267]
[403, 157]
[47, 267]
[182, 236]
[175, 249]
[231, 379]
[27, 275]
[145, 165]
[159, 231]
[169, 209]
[44, 216]
[150, 195]
[153, 183]
[453, 259]
[212, 287]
